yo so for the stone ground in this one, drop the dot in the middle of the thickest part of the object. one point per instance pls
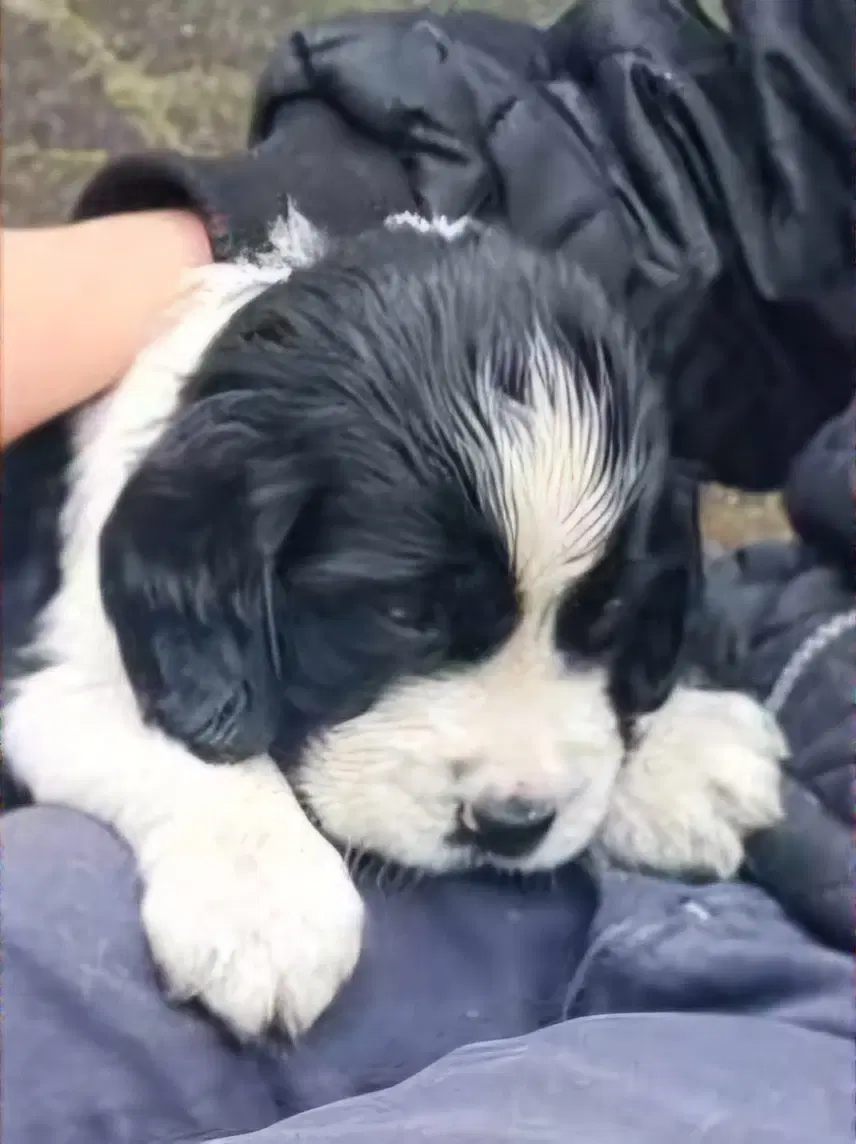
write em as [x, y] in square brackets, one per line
[84, 79]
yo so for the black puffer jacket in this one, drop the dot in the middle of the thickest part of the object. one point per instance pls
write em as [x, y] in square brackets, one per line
[794, 605]
[704, 176]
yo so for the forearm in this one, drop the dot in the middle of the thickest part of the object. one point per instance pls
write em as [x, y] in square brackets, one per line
[80, 301]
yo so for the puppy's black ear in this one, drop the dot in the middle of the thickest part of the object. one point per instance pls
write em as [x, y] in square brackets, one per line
[188, 558]
[660, 593]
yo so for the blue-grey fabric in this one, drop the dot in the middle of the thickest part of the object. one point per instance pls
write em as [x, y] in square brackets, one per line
[653, 1078]
[758, 1044]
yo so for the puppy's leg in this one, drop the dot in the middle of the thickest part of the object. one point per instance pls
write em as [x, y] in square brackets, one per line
[704, 775]
[246, 906]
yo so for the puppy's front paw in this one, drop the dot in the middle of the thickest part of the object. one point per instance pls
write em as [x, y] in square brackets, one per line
[262, 926]
[705, 775]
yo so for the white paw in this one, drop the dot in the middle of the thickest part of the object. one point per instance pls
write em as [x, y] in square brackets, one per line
[705, 775]
[258, 920]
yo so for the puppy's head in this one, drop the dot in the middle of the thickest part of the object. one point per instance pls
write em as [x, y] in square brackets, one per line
[415, 533]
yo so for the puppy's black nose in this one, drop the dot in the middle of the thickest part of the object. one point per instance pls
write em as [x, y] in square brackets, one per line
[508, 828]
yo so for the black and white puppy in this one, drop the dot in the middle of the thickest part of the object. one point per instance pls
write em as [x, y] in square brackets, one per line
[389, 526]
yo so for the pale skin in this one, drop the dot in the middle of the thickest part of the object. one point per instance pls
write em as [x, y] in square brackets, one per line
[79, 302]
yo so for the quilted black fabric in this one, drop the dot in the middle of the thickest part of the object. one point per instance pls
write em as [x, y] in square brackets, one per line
[794, 604]
[704, 176]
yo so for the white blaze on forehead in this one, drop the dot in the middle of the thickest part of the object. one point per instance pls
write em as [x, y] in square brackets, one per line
[561, 484]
